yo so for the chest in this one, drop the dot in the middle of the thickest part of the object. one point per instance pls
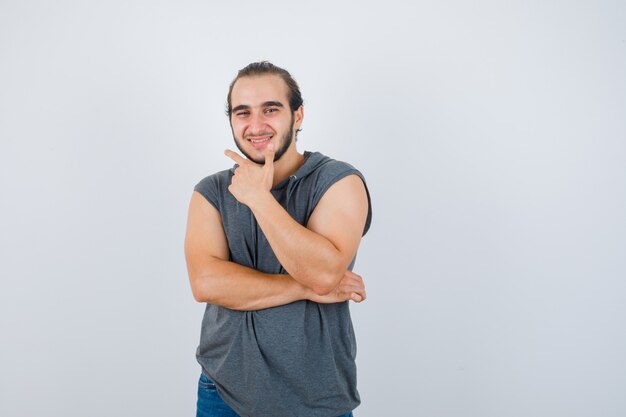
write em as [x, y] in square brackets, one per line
[247, 243]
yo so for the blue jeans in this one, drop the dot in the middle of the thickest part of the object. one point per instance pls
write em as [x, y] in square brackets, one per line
[210, 404]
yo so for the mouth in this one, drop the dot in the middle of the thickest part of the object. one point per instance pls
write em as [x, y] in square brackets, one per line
[259, 142]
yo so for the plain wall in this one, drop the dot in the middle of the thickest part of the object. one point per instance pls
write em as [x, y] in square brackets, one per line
[492, 135]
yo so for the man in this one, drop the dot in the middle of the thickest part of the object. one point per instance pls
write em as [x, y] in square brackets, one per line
[270, 246]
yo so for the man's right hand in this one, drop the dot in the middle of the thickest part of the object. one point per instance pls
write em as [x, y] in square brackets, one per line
[351, 287]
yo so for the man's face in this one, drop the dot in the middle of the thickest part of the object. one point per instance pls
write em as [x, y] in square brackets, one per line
[261, 115]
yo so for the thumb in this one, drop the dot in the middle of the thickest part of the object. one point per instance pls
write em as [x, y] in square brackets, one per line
[269, 155]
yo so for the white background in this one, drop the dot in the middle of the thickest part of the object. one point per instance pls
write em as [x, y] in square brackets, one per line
[492, 135]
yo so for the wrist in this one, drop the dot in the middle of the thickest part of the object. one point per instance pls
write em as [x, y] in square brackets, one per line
[262, 201]
[305, 293]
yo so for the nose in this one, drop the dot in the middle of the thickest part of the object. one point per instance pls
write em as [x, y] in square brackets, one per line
[257, 123]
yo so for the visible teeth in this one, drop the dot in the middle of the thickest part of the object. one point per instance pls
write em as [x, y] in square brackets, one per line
[259, 140]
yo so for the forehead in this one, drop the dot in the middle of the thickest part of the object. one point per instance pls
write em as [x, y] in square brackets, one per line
[258, 89]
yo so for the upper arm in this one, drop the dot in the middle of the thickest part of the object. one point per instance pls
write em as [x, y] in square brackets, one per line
[205, 239]
[340, 216]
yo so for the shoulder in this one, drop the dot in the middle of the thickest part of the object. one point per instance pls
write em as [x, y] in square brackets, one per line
[342, 178]
[214, 186]
[332, 170]
[216, 179]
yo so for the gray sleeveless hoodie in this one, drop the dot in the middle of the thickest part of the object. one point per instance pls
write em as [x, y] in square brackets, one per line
[292, 360]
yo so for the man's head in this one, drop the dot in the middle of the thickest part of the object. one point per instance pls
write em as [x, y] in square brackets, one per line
[264, 105]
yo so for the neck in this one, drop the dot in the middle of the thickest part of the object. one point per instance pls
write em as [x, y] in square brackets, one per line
[287, 165]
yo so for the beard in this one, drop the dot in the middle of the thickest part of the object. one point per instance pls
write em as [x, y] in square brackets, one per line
[287, 139]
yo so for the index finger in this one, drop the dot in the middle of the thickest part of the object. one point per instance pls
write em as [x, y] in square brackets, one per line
[235, 156]
[269, 155]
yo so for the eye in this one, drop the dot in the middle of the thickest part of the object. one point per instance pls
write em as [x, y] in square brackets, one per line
[242, 113]
[271, 110]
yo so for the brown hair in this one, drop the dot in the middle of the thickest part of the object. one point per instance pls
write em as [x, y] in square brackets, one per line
[264, 68]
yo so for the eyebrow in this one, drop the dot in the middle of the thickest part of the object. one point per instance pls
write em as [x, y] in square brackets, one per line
[270, 103]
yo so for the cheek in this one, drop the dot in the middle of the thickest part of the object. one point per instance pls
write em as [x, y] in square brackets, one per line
[238, 129]
[281, 127]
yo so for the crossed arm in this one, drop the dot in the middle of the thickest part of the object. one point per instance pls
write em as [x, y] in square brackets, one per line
[316, 257]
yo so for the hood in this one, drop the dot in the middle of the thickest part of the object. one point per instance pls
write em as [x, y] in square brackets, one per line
[312, 161]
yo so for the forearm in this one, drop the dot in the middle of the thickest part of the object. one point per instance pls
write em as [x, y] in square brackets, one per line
[237, 287]
[317, 255]
[308, 257]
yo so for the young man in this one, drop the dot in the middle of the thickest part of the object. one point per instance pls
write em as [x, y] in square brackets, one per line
[270, 247]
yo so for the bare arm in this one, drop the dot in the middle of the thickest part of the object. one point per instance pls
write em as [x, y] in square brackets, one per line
[327, 245]
[324, 249]
[216, 280]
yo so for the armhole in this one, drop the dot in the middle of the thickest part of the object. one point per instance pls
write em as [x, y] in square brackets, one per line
[332, 180]
[206, 189]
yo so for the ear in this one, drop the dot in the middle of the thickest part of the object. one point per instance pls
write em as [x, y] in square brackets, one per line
[298, 117]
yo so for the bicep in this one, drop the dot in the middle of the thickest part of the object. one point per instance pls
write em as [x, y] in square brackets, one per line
[341, 214]
[205, 239]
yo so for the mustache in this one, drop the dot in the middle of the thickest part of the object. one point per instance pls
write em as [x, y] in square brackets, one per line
[255, 134]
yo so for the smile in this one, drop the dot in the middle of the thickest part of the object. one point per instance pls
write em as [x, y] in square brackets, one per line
[259, 140]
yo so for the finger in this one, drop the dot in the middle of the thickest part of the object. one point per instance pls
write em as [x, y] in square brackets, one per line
[269, 155]
[348, 290]
[360, 293]
[353, 275]
[350, 276]
[352, 282]
[235, 156]
[353, 286]
[356, 297]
